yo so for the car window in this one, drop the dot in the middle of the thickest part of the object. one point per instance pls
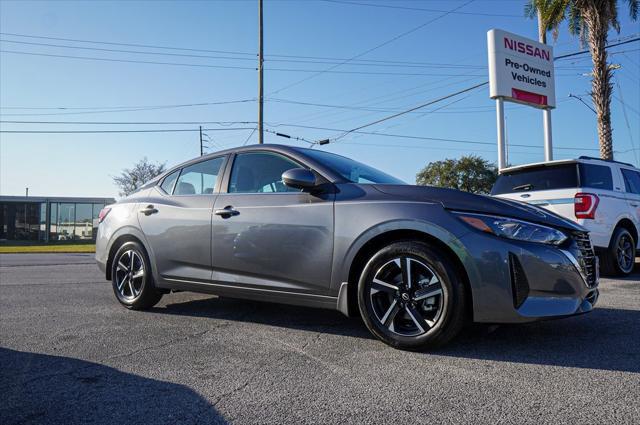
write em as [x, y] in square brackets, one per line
[596, 176]
[167, 183]
[260, 172]
[631, 181]
[560, 176]
[200, 178]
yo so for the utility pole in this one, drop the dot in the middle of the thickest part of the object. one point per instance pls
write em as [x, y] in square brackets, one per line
[201, 150]
[260, 81]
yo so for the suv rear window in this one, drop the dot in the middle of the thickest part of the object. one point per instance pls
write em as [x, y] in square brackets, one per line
[560, 176]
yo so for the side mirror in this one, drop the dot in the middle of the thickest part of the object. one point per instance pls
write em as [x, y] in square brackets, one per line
[299, 178]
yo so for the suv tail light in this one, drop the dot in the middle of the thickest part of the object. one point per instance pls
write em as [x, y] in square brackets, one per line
[585, 205]
[103, 214]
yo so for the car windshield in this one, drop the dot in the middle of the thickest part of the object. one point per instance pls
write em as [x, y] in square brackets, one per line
[351, 170]
[561, 176]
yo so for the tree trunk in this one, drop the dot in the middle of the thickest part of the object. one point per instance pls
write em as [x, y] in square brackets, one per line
[542, 29]
[601, 87]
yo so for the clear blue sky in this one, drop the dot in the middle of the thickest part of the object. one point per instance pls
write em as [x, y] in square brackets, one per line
[453, 47]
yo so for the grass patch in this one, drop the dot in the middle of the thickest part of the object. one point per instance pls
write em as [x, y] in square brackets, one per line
[40, 249]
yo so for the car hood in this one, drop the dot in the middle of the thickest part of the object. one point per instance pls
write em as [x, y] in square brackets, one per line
[458, 200]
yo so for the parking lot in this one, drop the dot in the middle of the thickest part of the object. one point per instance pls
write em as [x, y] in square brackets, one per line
[70, 354]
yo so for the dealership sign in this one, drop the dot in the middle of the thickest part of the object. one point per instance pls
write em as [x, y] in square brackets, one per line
[520, 70]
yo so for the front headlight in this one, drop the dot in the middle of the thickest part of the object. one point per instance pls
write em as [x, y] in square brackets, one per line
[512, 228]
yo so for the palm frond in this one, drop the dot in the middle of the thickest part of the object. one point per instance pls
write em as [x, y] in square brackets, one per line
[633, 9]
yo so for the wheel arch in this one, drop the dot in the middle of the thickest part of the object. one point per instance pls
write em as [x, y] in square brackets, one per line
[365, 250]
[118, 241]
[627, 224]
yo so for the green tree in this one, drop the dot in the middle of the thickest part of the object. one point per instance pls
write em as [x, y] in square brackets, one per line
[131, 179]
[550, 13]
[591, 20]
[469, 173]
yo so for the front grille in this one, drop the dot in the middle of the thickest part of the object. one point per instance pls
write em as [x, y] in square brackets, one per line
[587, 259]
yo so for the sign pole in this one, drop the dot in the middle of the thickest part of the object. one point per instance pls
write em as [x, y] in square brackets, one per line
[502, 151]
[548, 142]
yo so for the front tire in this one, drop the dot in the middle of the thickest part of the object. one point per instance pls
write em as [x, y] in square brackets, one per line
[411, 297]
[619, 258]
[132, 279]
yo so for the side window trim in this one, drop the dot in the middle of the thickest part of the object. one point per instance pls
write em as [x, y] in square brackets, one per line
[232, 160]
[216, 189]
[173, 186]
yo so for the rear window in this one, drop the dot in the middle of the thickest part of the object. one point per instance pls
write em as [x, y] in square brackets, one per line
[561, 176]
[596, 176]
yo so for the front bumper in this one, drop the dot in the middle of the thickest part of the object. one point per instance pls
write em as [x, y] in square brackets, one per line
[517, 282]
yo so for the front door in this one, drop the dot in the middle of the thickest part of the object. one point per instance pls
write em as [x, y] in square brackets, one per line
[632, 187]
[267, 235]
[176, 221]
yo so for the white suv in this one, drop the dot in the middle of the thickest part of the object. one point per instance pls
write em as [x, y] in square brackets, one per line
[603, 196]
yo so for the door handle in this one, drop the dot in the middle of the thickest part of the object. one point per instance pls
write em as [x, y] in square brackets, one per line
[149, 210]
[634, 205]
[226, 212]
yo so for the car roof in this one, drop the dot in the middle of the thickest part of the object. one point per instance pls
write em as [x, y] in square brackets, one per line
[294, 151]
[582, 160]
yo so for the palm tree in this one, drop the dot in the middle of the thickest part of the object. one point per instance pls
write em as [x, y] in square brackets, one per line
[591, 20]
[550, 14]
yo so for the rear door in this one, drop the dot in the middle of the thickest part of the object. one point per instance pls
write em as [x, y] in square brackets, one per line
[176, 221]
[273, 237]
[632, 187]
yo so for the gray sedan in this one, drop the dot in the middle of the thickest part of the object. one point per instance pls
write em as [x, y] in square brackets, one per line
[307, 227]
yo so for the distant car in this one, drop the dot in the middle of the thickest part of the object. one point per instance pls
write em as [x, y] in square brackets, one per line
[603, 196]
[307, 227]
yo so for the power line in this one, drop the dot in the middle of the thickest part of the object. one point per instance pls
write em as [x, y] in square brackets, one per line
[431, 102]
[425, 138]
[118, 110]
[311, 60]
[197, 65]
[287, 136]
[223, 123]
[582, 52]
[226, 102]
[164, 130]
[353, 3]
[389, 41]
[151, 46]
[137, 52]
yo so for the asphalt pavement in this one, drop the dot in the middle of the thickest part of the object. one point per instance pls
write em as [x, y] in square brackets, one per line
[70, 354]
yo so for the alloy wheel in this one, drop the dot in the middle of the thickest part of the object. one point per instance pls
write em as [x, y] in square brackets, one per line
[407, 296]
[624, 253]
[130, 275]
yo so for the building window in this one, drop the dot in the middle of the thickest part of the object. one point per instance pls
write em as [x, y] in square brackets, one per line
[83, 222]
[66, 220]
[53, 221]
[96, 213]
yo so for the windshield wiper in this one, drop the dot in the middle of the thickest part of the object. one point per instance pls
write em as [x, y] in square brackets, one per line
[527, 186]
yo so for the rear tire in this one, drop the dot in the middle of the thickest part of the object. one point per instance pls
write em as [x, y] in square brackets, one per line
[411, 297]
[132, 279]
[619, 258]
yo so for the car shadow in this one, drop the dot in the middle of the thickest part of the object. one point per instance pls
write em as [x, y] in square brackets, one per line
[39, 388]
[633, 277]
[270, 314]
[605, 339]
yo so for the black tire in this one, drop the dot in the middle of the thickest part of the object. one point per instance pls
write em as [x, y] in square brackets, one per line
[444, 315]
[135, 293]
[611, 263]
